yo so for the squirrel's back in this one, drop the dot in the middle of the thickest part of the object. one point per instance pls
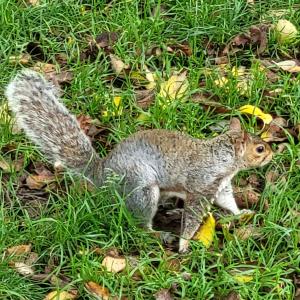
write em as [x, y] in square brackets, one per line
[48, 123]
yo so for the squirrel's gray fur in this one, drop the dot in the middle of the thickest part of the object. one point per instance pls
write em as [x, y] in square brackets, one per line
[156, 164]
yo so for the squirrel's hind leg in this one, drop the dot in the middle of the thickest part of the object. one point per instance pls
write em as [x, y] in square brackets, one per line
[143, 203]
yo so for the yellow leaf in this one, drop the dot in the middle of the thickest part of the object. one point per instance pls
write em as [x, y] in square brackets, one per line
[143, 117]
[255, 111]
[221, 82]
[61, 295]
[117, 101]
[175, 87]
[266, 136]
[114, 264]
[238, 72]
[243, 278]
[206, 232]
[151, 78]
[4, 114]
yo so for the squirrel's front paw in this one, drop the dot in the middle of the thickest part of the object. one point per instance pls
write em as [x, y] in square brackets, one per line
[183, 246]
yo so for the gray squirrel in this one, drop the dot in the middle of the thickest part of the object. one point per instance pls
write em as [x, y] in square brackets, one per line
[155, 164]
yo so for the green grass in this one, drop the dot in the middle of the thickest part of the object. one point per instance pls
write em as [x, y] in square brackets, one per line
[73, 221]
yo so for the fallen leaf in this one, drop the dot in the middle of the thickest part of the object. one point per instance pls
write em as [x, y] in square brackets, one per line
[4, 165]
[256, 36]
[33, 2]
[97, 290]
[61, 295]
[173, 264]
[106, 40]
[255, 111]
[19, 249]
[209, 102]
[246, 197]
[275, 131]
[118, 108]
[163, 294]
[291, 66]
[36, 182]
[245, 232]
[144, 98]
[114, 264]
[31, 258]
[23, 268]
[175, 87]
[286, 31]
[61, 58]
[22, 59]
[5, 116]
[206, 231]
[243, 278]
[232, 296]
[117, 64]
[11, 166]
[50, 73]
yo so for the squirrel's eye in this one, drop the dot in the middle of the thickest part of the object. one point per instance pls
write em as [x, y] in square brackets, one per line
[260, 149]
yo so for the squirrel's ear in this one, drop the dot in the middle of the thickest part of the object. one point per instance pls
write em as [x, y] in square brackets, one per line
[235, 125]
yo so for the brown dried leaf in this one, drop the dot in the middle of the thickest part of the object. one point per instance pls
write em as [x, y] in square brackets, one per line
[210, 101]
[163, 294]
[144, 98]
[11, 166]
[246, 197]
[245, 232]
[19, 250]
[232, 296]
[31, 259]
[36, 182]
[50, 73]
[106, 40]
[256, 36]
[173, 264]
[114, 264]
[97, 290]
[61, 58]
[272, 176]
[275, 131]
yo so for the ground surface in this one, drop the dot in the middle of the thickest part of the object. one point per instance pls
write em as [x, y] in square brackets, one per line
[64, 223]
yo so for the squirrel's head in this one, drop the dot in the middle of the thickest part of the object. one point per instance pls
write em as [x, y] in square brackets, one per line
[251, 150]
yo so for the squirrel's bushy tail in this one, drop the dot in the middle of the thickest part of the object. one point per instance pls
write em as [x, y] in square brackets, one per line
[48, 123]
